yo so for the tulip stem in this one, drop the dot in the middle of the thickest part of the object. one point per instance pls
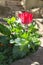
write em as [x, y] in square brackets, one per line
[26, 28]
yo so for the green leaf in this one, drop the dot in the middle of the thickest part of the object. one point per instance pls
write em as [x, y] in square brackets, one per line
[20, 51]
[4, 40]
[1, 57]
[10, 20]
[25, 35]
[16, 52]
[12, 41]
[4, 30]
[13, 19]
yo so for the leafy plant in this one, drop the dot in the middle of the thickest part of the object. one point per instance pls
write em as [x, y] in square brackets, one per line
[19, 39]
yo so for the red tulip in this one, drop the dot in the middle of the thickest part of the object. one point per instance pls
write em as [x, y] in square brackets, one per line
[26, 17]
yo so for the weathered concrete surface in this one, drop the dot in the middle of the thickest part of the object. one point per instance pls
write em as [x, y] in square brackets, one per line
[8, 7]
[33, 3]
[13, 4]
[4, 11]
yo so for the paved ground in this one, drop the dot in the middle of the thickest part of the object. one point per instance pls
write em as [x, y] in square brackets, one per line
[34, 59]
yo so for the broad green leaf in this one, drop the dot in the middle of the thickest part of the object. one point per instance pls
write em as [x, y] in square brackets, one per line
[1, 57]
[10, 20]
[4, 30]
[13, 19]
[25, 35]
[4, 40]
[12, 41]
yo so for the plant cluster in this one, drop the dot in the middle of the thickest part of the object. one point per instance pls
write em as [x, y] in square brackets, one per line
[20, 37]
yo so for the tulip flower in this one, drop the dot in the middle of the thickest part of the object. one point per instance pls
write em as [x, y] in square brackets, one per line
[26, 17]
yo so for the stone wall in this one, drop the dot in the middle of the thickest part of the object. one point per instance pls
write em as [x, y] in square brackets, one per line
[8, 7]
[32, 3]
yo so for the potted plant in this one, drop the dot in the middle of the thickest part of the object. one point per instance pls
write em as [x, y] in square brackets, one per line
[20, 38]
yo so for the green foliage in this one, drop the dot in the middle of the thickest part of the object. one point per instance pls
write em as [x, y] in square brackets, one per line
[10, 21]
[5, 55]
[17, 41]
[4, 40]
[4, 30]
[1, 57]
